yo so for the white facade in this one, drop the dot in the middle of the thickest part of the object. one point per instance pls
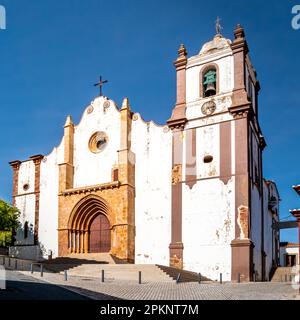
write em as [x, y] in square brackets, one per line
[152, 146]
[209, 213]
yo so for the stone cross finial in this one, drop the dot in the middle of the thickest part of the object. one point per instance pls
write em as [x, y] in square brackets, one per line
[182, 51]
[239, 32]
[218, 26]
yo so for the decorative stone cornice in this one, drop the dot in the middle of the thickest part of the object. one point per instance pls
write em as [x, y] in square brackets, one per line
[37, 159]
[240, 112]
[91, 189]
[178, 124]
[15, 164]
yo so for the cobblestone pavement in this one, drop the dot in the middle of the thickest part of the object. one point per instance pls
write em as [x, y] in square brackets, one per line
[24, 287]
[128, 290]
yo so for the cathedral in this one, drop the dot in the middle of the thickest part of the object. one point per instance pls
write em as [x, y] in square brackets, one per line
[188, 194]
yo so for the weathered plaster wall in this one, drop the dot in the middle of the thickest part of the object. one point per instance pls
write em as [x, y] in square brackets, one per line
[102, 115]
[48, 218]
[152, 146]
[208, 227]
[26, 203]
[26, 176]
[208, 211]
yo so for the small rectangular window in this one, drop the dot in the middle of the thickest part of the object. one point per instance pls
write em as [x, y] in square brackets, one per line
[116, 174]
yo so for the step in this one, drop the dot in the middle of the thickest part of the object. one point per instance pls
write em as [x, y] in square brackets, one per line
[119, 272]
[283, 274]
[185, 275]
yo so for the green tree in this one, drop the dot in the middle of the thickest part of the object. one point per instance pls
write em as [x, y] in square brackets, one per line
[9, 217]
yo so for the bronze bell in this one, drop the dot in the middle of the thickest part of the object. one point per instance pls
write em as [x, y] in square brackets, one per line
[210, 90]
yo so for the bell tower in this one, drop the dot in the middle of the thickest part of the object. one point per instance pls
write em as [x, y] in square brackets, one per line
[217, 159]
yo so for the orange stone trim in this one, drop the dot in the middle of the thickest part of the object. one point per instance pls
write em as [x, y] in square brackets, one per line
[115, 199]
[16, 167]
[80, 219]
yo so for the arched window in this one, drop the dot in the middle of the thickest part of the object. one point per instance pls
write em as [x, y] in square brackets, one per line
[209, 82]
[26, 230]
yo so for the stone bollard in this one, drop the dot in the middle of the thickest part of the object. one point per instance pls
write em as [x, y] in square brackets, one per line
[140, 277]
[199, 278]
[31, 268]
[42, 271]
[239, 278]
[66, 275]
[178, 278]
[221, 278]
[102, 276]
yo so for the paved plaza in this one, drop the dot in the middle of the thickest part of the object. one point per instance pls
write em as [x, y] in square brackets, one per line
[93, 288]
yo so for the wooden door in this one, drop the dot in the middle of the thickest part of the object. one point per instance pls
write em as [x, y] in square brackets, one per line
[100, 235]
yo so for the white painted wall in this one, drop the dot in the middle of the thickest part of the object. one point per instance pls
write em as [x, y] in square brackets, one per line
[208, 227]
[153, 149]
[89, 168]
[48, 218]
[26, 203]
[193, 74]
[208, 211]
[26, 176]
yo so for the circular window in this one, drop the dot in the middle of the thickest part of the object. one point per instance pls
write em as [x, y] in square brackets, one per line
[98, 142]
[26, 187]
[208, 159]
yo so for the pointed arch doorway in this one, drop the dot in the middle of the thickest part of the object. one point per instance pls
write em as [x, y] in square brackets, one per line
[89, 227]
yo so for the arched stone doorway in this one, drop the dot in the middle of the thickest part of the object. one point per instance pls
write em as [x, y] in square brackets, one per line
[89, 229]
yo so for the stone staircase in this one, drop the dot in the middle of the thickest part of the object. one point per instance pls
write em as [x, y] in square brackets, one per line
[129, 272]
[283, 274]
[72, 261]
[185, 276]
[91, 266]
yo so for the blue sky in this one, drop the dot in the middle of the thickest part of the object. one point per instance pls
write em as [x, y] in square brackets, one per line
[54, 50]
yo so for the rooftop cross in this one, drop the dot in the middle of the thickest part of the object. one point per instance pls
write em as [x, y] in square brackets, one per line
[218, 26]
[100, 84]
